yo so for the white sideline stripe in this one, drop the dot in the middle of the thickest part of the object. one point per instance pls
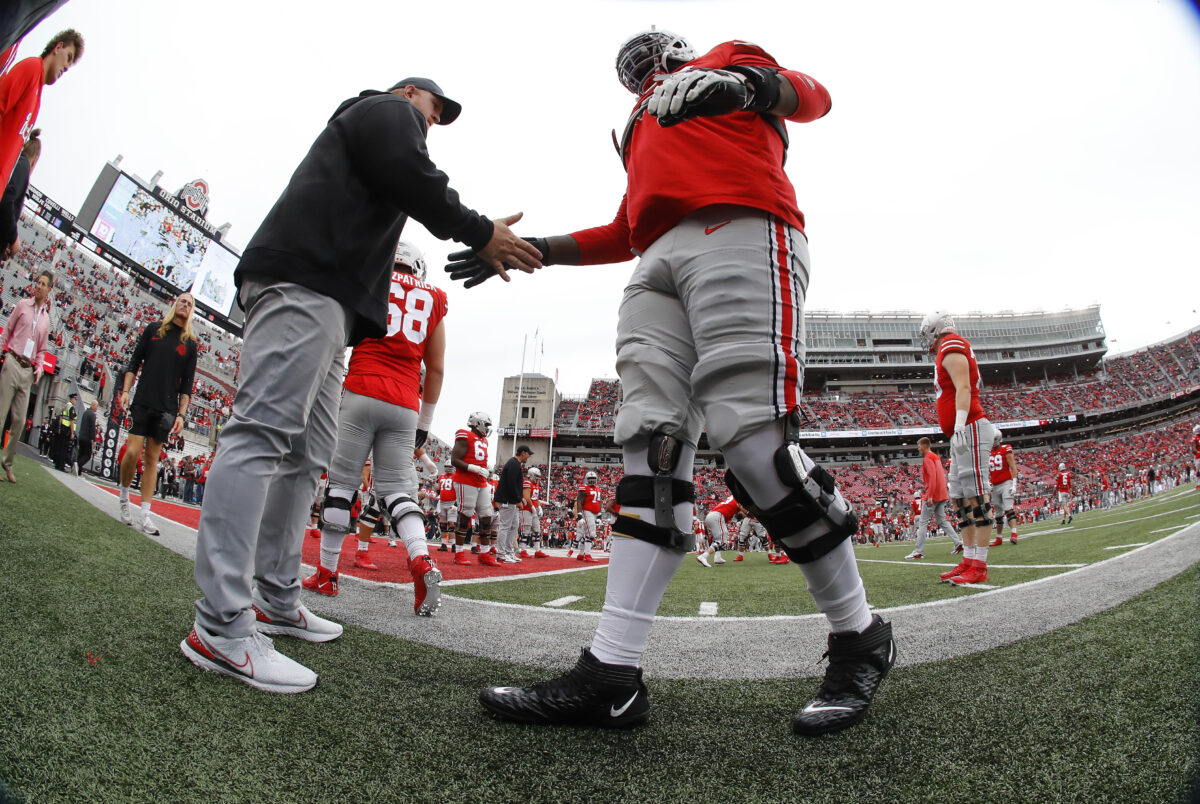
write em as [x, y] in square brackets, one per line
[1162, 530]
[1123, 546]
[524, 576]
[918, 563]
[708, 609]
[975, 585]
[562, 601]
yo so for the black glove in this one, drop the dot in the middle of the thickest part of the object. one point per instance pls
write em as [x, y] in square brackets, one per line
[467, 265]
[422, 437]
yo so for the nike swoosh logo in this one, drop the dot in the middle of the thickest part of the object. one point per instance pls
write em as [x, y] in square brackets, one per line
[615, 712]
[810, 709]
[710, 229]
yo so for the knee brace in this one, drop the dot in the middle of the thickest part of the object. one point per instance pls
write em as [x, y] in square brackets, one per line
[981, 515]
[336, 508]
[964, 516]
[487, 526]
[401, 506]
[814, 518]
[662, 492]
[1011, 516]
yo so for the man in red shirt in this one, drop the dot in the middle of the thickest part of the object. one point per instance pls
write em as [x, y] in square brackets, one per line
[587, 507]
[386, 413]
[709, 333]
[447, 506]
[875, 518]
[716, 525]
[472, 490]
[961, 418]
[1196, 453]
[933, 500]
[531, 513]
[21, 94]
[1002, 472]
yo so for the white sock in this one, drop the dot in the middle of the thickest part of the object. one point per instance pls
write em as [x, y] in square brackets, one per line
[413, 536]
[125, 493]
[837, 589]
[363, 545]
[981, 553]
[145, 508]
[331, 550]
[638, 575]
[968, 552]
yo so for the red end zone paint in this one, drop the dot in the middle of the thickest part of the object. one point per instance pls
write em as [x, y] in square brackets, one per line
[392, 561]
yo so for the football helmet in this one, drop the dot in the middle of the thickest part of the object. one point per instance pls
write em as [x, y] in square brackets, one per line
[649, 53]
[534, 472]
[590, 479]
[999, 436]
[933, 325]
[1196, 429]
[1062, 467]
[480, 422]
[410, 260]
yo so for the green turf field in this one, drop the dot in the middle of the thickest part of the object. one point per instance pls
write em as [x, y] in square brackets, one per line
[755, 588]
[1103, 710]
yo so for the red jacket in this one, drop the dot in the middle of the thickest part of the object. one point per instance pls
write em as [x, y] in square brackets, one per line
[933, 476]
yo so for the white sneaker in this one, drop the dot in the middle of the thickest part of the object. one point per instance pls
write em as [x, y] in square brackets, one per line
[718, 560]
[703, 559]
[252, 660]
[913, 555]
[148, 527]
[126, 513]
[301, 623]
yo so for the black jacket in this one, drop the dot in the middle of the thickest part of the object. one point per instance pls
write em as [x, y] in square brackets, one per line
[11, 203]
[511, 486]
[334, 229]
[87, 426]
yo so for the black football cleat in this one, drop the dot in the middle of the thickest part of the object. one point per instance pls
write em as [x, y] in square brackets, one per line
[591, 693]
[857, 665]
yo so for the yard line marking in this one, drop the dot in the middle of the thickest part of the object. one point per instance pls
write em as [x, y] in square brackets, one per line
[562, 601]
[1162, 530]
[976, 585]
[1123, 546]
[708, 609]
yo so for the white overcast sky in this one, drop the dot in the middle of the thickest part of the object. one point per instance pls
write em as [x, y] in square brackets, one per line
[979, 156]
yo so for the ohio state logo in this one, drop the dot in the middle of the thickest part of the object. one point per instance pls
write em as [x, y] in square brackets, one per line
[194, 195]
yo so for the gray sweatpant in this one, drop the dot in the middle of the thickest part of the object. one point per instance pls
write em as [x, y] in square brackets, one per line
[270, 455]
[929, 511]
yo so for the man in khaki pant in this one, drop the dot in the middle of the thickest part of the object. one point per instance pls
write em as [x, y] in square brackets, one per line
[23, 345]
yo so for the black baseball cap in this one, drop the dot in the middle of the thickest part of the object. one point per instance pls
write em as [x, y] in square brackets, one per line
[450, 109]
[524, 448]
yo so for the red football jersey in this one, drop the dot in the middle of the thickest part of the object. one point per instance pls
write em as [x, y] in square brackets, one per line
[476, 455]
[1196, 445]
[916, 507]
[726, 509]
[877, 515]
[591, 498]
[446, 488]
[1063, 481]
[945, 386]
[998, 470]
[389, 368]
[733, 158]
[20, 99]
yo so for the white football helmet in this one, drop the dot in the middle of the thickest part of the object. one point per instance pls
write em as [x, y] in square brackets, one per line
[480, 422]
[934, 325]
[1062, 467]
[999, 436]
[649, 53]
[410, 260]
[590, 478]
[1196, 429]
[534, 472]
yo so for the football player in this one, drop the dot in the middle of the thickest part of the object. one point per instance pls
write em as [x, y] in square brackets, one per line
[1196, 453]
[961, 418]
[447, 507]
[708, 207]
[716, 525]
[472, 489]
[1002, 471]
[379, 416]
[531, 513]
[1062, 484]
[587, 507]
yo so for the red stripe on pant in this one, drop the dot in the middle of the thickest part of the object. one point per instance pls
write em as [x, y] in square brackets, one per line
[975, 460]
[787, 318]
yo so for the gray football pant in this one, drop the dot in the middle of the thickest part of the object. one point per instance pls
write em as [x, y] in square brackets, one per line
[929, 511]
[369, 426]
[508, 523]
[271, 454]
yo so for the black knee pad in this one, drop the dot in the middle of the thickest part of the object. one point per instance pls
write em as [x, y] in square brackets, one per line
[1011, 516]
[337, 513]
[401, 506]
[487, 526]
[662, 492]
[814, 518]
[980, 514]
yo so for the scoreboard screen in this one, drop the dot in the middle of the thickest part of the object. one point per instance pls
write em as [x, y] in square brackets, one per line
[155, 233]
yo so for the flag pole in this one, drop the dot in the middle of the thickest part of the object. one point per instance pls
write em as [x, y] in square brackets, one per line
[520, 382]
[550, 451]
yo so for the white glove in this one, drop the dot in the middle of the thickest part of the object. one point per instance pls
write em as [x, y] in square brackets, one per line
[693, 93]
[478, 470]
[958, 441]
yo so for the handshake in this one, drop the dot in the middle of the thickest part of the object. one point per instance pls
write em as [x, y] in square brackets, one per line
[476, 269]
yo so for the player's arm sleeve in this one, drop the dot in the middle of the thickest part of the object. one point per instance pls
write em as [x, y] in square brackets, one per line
[387, 147]
[605, 245]
[812, 99]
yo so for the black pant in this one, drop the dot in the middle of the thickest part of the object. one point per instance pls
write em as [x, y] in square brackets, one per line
[85, 455]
